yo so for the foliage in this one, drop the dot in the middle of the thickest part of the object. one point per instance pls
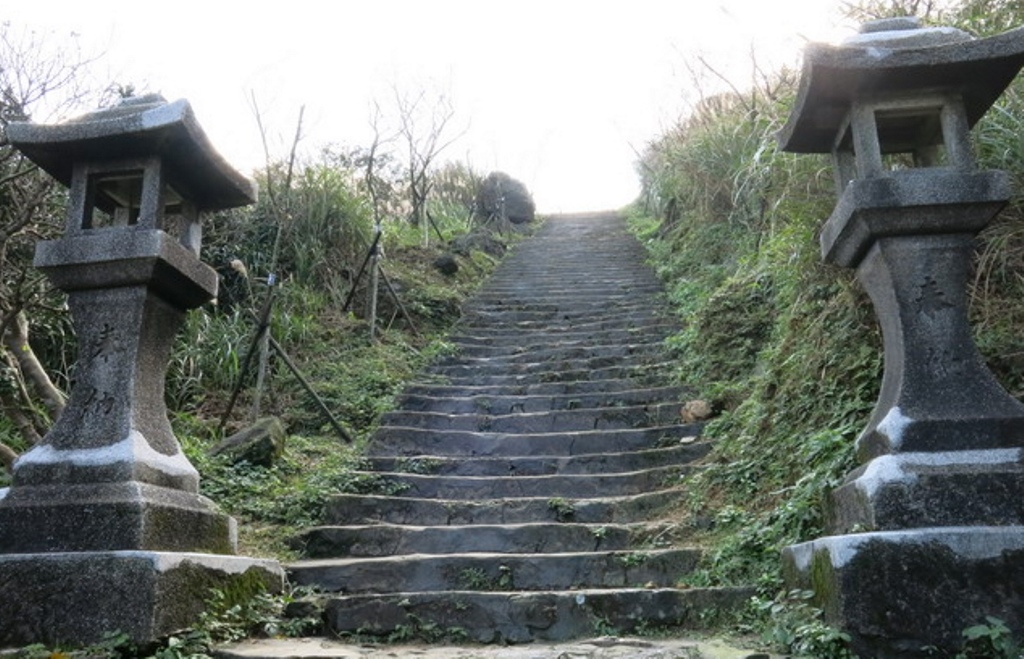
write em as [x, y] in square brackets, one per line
[224, 620]
[795, 627]
[991, 640]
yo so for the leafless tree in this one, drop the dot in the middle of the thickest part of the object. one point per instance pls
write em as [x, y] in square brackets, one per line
[425, 128]
[38, 81]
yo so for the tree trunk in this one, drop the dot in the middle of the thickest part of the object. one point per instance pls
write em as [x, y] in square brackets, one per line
[16, 340]
[7, 457]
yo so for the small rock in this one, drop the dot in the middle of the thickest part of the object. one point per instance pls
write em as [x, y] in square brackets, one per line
[446, 265]
[696, 410]
[688, 440]
[260, 444]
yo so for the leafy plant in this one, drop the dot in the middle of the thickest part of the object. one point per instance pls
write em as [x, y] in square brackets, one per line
[991, 639]
[563, 509]
[793, 625]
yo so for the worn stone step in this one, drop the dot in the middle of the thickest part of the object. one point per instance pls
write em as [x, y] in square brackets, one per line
[549, 302]
[601, 418]
[522, 355]
[571, 302]
[650, 374]
[361, 509]
[505, 337]
[595, 463]
[482, 572]
[427, 486]
[574, 313]
[522, 617]
[495, 405]
[617, 272]
[529, 538]
[390, 440]
[606, 366]
[610, 321]
[540, 350]
[570, 389]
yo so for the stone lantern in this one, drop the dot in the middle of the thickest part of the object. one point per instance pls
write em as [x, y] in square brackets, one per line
[103, 528]
[928, 535]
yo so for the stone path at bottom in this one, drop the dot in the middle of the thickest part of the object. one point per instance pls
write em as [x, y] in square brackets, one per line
[521, 486]
[597, 648]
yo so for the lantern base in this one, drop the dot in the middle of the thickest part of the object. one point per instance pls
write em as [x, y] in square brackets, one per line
[897, 593]
[111, 516]
[77, 598]
[941, 489]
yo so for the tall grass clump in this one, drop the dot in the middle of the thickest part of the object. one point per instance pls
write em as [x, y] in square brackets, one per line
[780, 343]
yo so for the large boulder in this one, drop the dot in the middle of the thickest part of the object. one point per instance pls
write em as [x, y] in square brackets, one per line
[500, 191]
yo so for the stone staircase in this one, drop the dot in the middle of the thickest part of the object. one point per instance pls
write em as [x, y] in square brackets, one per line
[524, 481]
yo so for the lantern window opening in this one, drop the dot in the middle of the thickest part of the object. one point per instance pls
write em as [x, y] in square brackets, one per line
[880, 138]
[844, 157]
[113, 199]
[911, 138]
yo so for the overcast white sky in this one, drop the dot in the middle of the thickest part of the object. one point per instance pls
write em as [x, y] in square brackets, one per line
[557, 93]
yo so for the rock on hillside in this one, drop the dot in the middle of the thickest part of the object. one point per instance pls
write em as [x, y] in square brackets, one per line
[500, 190]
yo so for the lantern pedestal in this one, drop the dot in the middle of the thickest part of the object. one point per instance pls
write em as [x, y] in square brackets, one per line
[926, 538]
[910, 237]
[899, 592]
[77, 597]
[934, 542]
[103, 528]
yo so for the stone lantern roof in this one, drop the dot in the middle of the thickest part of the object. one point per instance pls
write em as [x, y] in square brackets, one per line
[137, 128]
[897, 57]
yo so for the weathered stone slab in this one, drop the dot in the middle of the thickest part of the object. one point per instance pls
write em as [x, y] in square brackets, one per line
[899, 592]
[592, 464]
[918, 490]
[524, 617]
[533, 403]
[75, 598]
[606, 418]
[545, 485]
[365, 509]
[417, 441]
[505, 572]
[111, 516]
[389, 540]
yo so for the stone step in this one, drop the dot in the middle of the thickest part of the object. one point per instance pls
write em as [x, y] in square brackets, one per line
[529, 538]
[591, 464]
[475, 356]
[490, 404]
[575, 313]
[567, 389]
[506, 337]
[650, 296]
[361, 509]
[521, 617]
[541, 349]
[604, 367]
[601, 418]
[485, 572]
[643, 375]
[610, 321]
[590, 278]
[428, 486]
[389, 440]
[554, 302]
